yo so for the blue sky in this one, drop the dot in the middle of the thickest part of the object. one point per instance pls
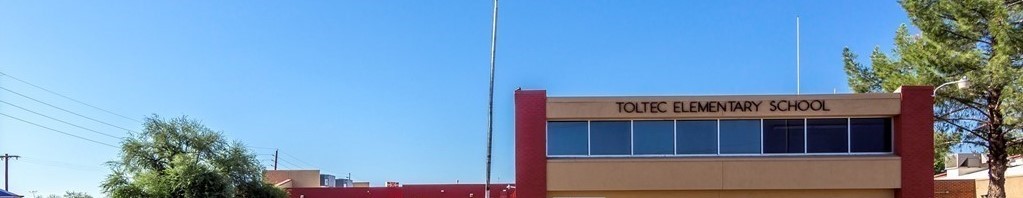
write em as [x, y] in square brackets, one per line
[387, 90]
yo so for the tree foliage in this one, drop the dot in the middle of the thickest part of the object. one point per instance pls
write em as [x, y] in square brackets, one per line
[68, 194]
[943, 143]
[979, 39]
[182, 158]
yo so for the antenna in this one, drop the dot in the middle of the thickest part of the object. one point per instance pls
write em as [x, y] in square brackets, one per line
[797, 55]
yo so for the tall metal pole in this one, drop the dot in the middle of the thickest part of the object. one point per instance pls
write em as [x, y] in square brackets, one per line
[490, 115]
[797, 55]
[275, 157]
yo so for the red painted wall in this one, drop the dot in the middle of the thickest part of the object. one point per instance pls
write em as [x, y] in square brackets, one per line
[914, 142]
[406, 191]
[376, 192]
[455, 190]
[531, 143]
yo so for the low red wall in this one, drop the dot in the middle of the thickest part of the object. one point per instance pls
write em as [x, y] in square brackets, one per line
[379, 192]
[406, 191]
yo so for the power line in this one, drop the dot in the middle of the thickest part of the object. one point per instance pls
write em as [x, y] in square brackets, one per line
[65, 110]
[59, 131]
[283, 165]
[299, 160]
[66, 97]
[260, 147]
[288, 162]
[54, 163]
[58, 120]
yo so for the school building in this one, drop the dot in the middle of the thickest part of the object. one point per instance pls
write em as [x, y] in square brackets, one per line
[822, 145]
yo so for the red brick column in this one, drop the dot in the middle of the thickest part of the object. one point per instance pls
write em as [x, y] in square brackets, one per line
[914, 141]
[531, 143]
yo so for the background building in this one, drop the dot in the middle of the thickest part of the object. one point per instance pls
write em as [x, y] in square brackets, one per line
[327, 180]
[345, 183]
[293, 178]
[832, 145]
[966, 175]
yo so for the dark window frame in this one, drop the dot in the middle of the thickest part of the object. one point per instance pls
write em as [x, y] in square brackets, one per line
[888, 122]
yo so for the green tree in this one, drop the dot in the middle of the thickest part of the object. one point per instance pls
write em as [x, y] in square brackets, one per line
[68, 194]
[71, 194]
[182, 158]
[943, 143]
[978, 39]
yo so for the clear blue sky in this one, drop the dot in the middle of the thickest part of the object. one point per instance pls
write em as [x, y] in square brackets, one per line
[388, 90]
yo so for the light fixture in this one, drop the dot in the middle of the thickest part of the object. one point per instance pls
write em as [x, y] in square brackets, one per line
[962, 83]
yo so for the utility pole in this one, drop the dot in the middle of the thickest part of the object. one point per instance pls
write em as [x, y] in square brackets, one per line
[275, 157]
[7, 160]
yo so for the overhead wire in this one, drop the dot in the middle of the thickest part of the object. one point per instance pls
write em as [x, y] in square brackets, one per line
[260, 147]
[68, 111]
[62, 121]
[53, 163]
[59, 131]
[299, 160]
[288, 162]
[2, 74]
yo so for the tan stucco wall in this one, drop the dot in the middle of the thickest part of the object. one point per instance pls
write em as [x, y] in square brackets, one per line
[299, 178]
[857, 193]
[724, 173]
[1013, 187]
[844, 105]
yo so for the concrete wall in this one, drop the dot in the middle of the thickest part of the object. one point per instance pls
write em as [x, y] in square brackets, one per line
[841, 105]
[1013, 187]
[299, 178]
[722, 173]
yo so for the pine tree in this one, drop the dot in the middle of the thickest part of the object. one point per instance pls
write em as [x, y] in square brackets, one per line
[981, 40]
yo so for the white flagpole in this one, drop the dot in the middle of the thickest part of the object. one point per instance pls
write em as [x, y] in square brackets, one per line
[797, 55]
[490, 116]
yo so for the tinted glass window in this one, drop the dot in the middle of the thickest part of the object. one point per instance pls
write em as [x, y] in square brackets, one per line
[610, 138]
[783, 136]
[827, 135]
[740, 136]
[653, 137]
[566, 138]
[697, 136]
[871, 134]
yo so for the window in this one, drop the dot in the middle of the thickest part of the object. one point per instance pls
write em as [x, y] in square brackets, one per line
[740, 136]
[610, 138]
[827, 135]
[719, 137]
[653, 137]
[783, 136]
[567, 138]
[871, 134]
[697, 136]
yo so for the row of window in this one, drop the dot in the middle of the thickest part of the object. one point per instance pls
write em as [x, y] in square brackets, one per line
[715, 137]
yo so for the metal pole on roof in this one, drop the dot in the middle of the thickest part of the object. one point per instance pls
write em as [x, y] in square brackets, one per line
[490, 115]
[797, 55]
